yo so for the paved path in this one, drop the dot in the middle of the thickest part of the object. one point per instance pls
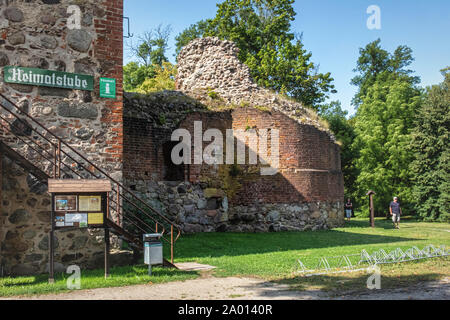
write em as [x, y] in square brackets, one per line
[210, 288]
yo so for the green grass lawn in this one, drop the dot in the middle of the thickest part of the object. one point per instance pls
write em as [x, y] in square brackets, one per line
[273, 256]
[120, 276]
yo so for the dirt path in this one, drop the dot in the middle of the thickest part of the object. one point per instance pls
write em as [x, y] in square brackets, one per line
[210, 288]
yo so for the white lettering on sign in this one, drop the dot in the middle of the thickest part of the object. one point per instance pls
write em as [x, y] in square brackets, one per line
[19, 75]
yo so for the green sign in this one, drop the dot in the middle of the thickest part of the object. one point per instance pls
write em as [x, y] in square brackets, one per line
[107, 88]
[48, 78]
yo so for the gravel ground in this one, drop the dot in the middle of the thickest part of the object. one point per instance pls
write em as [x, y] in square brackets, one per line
[210, 288]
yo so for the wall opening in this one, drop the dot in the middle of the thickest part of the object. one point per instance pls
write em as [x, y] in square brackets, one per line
[171, 171]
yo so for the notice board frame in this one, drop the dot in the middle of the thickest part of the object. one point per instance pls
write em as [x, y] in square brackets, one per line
[103, 193]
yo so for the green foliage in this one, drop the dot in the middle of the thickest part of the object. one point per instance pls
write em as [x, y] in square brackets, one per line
[162, 119]
[134, 75]
[152, 46]
[194, 31]
[164, 79]
[152, 71]
[235, 170]
[375, 63]
[213, 95]
[262, 31]
[344, 132]
[383, 125]
[430, 145]
[387, 101]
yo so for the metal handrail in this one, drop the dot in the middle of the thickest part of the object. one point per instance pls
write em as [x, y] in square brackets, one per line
[58, 151]
[81, 156]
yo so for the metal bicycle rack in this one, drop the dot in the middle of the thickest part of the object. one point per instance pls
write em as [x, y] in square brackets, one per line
[366, 261]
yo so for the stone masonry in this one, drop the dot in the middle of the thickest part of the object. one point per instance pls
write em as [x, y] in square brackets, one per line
[36, 34]
[216, 89]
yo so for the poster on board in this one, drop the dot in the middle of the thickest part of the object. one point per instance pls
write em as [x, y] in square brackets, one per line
[90, 203]
[66, 203]
[60, 221]
[95, 218]
[80, 218]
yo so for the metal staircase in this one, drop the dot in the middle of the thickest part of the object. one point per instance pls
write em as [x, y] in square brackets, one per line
[46, 155]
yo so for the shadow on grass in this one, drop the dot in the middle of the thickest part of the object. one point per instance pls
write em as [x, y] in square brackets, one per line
[382, 223]
[235, 244]
[345, 284]
[393, 276]
[119, 277]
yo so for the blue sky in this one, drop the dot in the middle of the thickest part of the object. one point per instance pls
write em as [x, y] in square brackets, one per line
[333, 30]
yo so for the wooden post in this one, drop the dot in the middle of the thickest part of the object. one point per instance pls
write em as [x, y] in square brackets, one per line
[107, 247]
[1, 203]
[171, 243]
[371, 208]
[51, 245]
[107, 206]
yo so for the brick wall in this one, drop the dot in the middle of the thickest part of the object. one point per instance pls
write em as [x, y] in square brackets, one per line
[108, 49]
[140, 150]
[309, 159]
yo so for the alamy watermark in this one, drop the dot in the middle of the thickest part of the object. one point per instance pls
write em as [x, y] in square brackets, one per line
[374, 281]
[74, 281]
[213, 154]
[74, 20]
[374, 21]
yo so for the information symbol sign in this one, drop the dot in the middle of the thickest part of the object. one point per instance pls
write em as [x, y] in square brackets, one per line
[107, 88]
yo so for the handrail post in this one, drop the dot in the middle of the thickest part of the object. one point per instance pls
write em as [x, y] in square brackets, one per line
[55, 160]
[59, 159]
[171, 243]
[118, 205]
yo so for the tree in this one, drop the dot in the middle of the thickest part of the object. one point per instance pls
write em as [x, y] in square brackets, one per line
[194, 31]
[164, 79]
[345, 133]
[383, 125]
[152, 46]
[134, 75]
[387, 101]
[430, 145]
[277, 60]
[375, 63]
[151, 55]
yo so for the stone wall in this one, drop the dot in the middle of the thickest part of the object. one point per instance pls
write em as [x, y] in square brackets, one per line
[35, 34]
[209, 66]
[25, 222]
[216, 89]
[306, 194]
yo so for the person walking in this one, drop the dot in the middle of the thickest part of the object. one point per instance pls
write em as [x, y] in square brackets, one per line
[348, 209]
[395, 211]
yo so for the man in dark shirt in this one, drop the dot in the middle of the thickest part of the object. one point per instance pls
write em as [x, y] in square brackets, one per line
[396, 212]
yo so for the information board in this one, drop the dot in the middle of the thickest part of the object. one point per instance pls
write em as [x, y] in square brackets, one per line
[79, 211]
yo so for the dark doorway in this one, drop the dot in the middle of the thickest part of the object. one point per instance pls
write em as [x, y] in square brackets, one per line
[171, 171]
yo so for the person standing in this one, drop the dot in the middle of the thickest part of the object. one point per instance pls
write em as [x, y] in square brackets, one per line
[348, 209]
[396, 212]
